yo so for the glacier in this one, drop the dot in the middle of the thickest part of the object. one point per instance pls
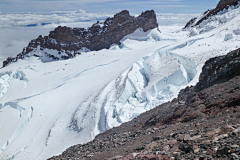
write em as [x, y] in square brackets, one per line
[47, 107]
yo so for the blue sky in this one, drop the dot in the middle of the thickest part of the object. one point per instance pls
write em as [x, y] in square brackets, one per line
[109, 6]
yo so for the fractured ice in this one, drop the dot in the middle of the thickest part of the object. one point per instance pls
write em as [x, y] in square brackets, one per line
[145, 85]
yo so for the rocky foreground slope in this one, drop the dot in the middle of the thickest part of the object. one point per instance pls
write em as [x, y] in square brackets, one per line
[65, 42]
[203, 123]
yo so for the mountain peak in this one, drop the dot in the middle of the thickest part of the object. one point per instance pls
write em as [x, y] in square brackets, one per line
[66, 42]
[122, 13]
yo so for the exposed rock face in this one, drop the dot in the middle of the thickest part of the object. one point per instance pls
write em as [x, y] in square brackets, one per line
[224, 3]
[67, 42]
[220, 6]
[202, 123]
[218, 90]
[220, 69]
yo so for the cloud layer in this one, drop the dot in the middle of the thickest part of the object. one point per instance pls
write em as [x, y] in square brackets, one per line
[43, 18]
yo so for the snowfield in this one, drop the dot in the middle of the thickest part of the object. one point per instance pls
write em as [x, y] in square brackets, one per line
[47, 107]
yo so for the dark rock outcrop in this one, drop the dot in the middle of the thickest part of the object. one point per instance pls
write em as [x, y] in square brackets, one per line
[220, 6]
[202, 123]
[224, 3]
[68, 42]
[220, 69]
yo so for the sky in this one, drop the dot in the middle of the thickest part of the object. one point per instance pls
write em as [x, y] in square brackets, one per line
[108, 6]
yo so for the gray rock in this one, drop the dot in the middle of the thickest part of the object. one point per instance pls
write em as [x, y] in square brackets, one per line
[185, 147]
[223, 151]
[220, 69]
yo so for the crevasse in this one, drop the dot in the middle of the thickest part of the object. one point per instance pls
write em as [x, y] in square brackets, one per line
[148, 83]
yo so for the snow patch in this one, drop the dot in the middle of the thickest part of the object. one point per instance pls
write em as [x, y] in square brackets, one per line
[140, 35]
[18, 130]
[6, 78]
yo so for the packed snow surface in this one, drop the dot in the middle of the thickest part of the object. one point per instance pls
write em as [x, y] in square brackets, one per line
[47, 107]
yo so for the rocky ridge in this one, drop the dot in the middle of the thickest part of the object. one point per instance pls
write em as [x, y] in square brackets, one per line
[223, 4]
[203, 123]
[65, 42]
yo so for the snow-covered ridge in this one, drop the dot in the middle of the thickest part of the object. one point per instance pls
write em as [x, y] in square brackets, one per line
[213, 21]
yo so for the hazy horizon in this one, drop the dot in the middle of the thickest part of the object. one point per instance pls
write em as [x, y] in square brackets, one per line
[108, 6]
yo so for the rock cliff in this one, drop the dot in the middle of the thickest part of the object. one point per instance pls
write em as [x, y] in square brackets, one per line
[65, 42]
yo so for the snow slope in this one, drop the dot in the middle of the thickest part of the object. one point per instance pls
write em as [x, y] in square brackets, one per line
[214, 21]
[47, 107]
